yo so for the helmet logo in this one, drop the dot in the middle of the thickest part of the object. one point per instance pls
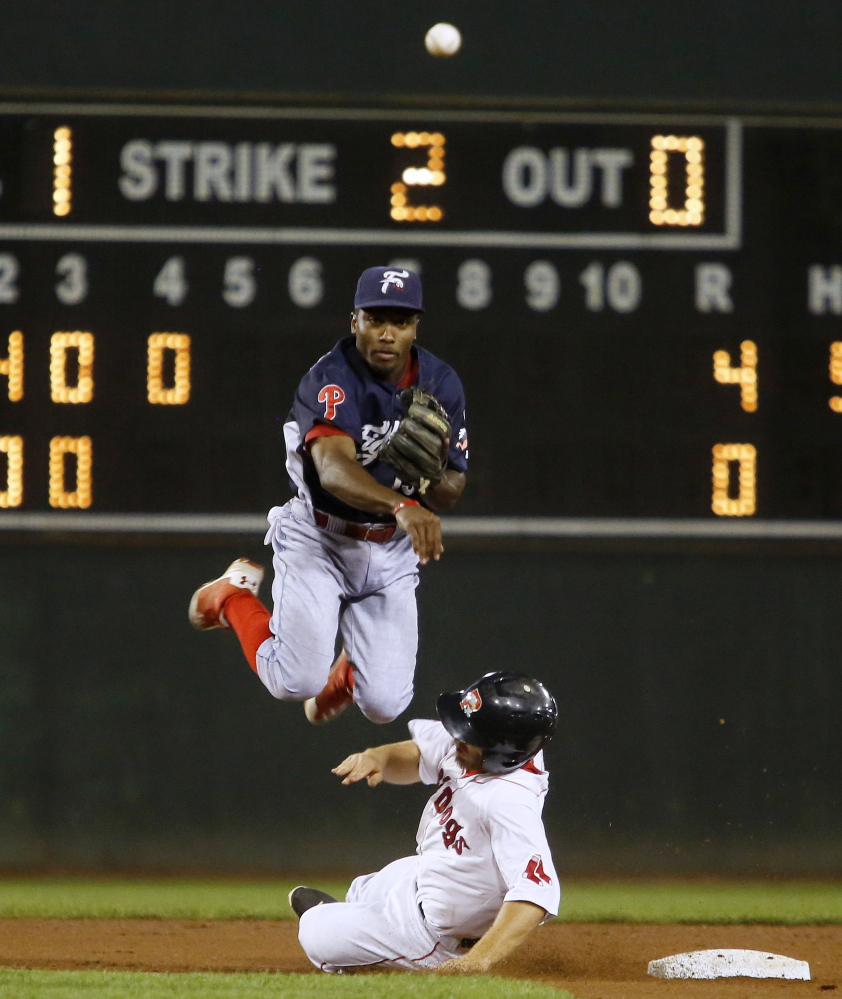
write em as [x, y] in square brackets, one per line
[471, 702]
[393, 277]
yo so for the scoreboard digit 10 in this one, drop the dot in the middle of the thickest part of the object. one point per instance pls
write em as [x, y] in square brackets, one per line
[646, 311]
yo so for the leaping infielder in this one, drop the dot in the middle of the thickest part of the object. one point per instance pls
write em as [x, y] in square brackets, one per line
[482, 878]
[377, 447]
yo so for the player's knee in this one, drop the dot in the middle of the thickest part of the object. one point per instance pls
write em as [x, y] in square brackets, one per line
[378, 715]
[290, 678]
[288, 688]
[383, 708]
[310, 939]
[318, 941]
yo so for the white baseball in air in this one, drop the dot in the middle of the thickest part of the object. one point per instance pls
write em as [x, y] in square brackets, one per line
[443, 39]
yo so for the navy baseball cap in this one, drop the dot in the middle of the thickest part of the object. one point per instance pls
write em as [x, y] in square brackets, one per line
[389, 288]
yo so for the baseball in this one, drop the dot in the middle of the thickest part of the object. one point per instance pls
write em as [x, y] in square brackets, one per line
[443, 40]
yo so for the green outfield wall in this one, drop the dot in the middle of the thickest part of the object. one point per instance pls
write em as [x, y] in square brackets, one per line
[699, 688]
[700, 685]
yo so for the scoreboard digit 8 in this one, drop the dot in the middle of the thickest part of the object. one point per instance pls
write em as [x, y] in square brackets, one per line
[657, 299]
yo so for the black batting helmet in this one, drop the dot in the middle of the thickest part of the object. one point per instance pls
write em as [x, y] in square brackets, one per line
[509, 716]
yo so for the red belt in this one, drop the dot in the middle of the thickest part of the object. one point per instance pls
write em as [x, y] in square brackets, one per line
[359, 532]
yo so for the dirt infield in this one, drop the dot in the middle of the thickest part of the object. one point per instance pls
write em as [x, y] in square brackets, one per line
[592, 960]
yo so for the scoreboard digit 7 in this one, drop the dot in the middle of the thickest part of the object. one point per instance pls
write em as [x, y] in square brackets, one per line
[657, 298]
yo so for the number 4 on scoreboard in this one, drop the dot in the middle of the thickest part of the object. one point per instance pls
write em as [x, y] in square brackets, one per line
[739, 458]
[745, 375]
[171, 282]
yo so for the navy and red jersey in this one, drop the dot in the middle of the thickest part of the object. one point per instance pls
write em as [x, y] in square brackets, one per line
[340, 394]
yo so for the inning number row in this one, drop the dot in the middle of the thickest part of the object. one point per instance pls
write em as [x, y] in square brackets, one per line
[616, 286]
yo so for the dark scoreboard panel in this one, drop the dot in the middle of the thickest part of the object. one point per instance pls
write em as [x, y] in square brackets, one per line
[646, 311]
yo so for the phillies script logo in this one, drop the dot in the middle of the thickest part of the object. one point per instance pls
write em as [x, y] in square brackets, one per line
[535, 871]
[332, 396]
[374, 437]
[471, 702]
[451, 828]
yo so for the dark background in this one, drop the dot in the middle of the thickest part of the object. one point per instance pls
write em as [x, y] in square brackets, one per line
[699, 687]
[572, 412]
[753, 53]
[698, 694]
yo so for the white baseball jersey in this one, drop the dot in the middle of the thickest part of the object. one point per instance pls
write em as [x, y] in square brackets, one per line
[481, 841]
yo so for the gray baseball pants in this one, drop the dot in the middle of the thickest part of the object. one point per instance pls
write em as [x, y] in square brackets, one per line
[327, 582]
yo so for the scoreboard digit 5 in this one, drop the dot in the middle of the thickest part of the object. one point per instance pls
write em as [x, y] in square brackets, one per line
[657, 297]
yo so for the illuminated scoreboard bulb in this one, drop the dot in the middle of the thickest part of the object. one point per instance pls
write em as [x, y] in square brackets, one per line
[835, 401]
[179, 345]
[60, 496]
[12, 495]
[725, 456]
[431, 175]
[12, 366]
[693, 212]
[62, 174]
[83, 343]
[745, 376]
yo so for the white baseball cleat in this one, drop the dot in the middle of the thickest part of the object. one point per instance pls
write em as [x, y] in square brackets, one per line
[206, 604]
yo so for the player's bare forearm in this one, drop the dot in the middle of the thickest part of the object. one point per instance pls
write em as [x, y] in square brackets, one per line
[395, 763]
[445, 495]
[514, 922]
[340, 473]
[335, 459]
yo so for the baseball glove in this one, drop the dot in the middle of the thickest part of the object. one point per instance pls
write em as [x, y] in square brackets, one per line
[417, 449]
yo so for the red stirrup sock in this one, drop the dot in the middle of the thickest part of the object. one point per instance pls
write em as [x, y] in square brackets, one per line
[250, 620]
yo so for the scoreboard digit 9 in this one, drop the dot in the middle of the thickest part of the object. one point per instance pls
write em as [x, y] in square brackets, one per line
[646, 310]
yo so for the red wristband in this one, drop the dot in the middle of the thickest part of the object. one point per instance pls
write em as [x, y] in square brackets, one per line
[402, 504]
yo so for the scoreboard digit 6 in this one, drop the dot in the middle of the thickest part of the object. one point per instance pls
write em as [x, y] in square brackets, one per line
[657, 298]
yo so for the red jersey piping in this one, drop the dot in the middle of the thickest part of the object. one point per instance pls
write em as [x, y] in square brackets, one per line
[323, 430]
[410, 376]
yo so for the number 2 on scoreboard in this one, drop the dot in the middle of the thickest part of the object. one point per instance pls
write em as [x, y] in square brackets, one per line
[430, 175]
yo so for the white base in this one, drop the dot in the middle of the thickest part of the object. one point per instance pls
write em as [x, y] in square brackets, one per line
[729, 964]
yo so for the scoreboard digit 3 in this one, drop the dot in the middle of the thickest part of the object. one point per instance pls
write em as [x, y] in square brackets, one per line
[657, 298]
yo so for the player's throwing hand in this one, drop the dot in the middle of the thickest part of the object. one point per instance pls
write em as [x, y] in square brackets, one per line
[424, 528]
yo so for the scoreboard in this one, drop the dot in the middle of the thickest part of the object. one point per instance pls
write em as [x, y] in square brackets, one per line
[645, 310]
